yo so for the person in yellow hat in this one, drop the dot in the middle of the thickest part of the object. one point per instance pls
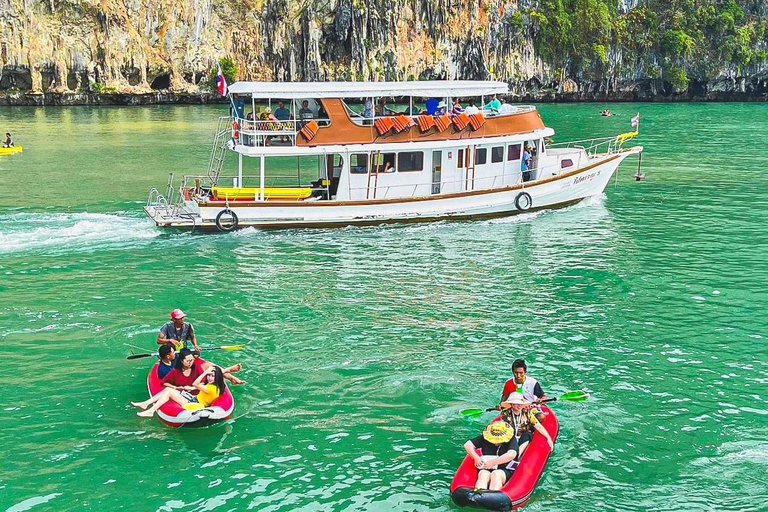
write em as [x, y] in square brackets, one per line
[496, 461]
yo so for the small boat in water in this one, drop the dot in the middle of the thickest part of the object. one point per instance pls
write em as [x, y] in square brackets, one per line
[521, 484]
[11, 150]
[174, 415]
[326, 158]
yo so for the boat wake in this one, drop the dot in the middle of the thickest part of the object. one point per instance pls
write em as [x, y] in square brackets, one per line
[64, 232]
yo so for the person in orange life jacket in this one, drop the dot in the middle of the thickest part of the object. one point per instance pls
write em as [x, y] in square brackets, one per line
[522, 383]
[178, 332]
[208, 386]
[523, 420]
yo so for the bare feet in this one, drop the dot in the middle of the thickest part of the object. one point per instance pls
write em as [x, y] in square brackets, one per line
[146, 414]
[235, 368]
[141, 405]
[235, 380]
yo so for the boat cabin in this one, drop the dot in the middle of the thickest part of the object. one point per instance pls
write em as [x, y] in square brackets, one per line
[342, 141]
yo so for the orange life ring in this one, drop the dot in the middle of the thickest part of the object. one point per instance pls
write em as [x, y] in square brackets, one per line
[235, 130]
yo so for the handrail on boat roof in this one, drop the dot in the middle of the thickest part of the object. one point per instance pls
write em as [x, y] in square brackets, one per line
[427, 88]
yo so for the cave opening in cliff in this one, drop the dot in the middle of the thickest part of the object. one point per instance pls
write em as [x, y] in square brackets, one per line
[16, 78]
[161, 82]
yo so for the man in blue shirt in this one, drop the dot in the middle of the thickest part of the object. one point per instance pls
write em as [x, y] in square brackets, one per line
[167, 356]
[238, 106]
[525, 164]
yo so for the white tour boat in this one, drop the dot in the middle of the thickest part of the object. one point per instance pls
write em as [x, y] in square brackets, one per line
[319, 155]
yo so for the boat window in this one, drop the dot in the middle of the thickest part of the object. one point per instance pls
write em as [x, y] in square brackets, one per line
[383, 162]
[513, 152]
[460, 159]
[497, 154]
[481, 156]
[566, 162]
[358, 163]
[410, 161]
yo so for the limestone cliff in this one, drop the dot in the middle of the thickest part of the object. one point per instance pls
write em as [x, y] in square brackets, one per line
[577, 49]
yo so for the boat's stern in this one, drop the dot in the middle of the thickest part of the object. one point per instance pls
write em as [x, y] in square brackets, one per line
[175, 216]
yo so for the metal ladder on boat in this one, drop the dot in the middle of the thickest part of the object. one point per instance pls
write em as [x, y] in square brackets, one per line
[219, 150]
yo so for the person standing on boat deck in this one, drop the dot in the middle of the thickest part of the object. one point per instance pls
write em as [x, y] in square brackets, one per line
[523, 420]
[178, 332]
[368, 112]
[498, 449]
[8, 141]
[283, 115]
[526, 163]
[167, 355]
[238, 107]
[471, 109]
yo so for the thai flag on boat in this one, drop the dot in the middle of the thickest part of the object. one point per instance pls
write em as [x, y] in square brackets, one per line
[633, 122]
[221, 83]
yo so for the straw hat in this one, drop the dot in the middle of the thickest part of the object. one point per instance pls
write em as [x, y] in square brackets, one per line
[516, 399]
[498, 432]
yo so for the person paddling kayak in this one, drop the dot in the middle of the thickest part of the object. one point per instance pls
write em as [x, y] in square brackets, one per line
[178, 332]
[522, 383]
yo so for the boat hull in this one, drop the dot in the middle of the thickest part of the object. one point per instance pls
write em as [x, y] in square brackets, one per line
[10, 151]
[518, 489]
[547, 192]
[174, 415]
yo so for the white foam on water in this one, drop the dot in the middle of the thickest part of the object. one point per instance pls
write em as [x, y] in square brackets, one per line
[62, 232]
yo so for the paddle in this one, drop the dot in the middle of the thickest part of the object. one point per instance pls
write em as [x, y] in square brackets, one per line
[571, 396]
[223, 347]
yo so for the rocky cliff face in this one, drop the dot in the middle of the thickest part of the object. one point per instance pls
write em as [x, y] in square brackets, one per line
[541, 47]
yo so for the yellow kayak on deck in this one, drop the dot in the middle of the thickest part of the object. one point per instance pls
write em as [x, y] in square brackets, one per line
[10, 151]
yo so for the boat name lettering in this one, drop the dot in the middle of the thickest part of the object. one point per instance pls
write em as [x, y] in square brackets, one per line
[580, 179]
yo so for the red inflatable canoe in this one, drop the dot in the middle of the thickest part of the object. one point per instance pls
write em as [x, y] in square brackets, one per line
[174, 415]
[519, 487]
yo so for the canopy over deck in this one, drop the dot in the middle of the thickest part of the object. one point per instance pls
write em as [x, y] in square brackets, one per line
[422, 89]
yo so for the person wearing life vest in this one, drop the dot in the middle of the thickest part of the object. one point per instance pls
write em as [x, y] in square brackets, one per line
[178, 332]
[527, 386]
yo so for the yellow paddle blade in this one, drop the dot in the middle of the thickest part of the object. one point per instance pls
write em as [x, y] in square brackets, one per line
[232, 347]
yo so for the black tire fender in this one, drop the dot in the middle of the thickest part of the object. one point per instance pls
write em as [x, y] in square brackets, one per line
[226, 229]
[523, 201]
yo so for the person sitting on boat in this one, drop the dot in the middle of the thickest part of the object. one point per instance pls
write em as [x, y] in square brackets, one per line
[382, 109]
[471, 109]
[494, 105]
[206, 388]
[457, 108]
[606, 113]
[522, 383]
[8, 141]
[189, 366]
[514, 411]
[442, 109]
[167, 356]
[368, 112]
[506, 108]
[498, 451]
[178, 332]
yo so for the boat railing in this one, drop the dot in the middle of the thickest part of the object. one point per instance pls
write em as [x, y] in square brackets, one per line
[360, 119]
[593, 147]
[260, 132]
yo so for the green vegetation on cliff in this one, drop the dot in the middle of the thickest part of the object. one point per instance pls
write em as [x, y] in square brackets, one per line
[547, 45]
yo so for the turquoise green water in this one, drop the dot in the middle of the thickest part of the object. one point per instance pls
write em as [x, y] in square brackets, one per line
[363, 344]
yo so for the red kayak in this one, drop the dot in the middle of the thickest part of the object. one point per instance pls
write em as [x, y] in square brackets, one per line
[174, 415]
[519, 487]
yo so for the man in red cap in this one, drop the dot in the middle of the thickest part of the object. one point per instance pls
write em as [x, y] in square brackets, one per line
[178, 332]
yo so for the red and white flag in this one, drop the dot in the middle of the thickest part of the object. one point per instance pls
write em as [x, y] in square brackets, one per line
[221, 83]
[635, 120]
